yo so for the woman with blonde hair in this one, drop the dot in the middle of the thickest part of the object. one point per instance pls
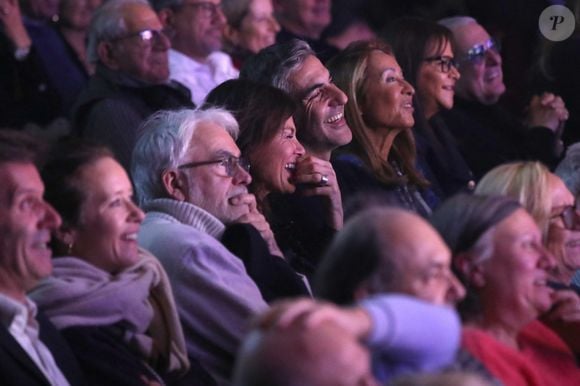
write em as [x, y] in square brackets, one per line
[381, 157]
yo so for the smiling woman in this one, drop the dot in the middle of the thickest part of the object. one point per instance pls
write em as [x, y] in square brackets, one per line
[105, 292]
[381, 157]
[423, 49]
[303, 222]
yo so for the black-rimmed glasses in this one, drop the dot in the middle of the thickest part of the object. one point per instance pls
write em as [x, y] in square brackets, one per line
[230, 164]
[476, 54]
[445, 63]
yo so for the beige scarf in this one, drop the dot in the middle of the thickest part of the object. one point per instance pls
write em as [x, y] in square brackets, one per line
[80, 294]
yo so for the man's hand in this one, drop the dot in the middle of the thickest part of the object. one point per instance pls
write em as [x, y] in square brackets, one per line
[11, 20]
[312, 313]
[547, 110]
[257, 219]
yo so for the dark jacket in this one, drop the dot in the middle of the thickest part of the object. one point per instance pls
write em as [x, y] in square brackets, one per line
[16, 367]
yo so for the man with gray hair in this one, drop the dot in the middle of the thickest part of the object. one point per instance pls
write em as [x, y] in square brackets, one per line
[487, 134]
[132, 76]
[191, 181]
[196, 31]
[294, 68]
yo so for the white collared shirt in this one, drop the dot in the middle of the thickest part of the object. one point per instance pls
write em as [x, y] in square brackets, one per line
[201, 78]
[20, 320]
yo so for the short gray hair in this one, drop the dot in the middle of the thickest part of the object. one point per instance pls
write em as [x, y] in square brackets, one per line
[164, 140]
[108, 23]
[274, 64]
[569, 169]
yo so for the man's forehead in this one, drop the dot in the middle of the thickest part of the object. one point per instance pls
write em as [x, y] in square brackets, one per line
[17, 177]
[470, 34]
[138, 17]
[310, 73]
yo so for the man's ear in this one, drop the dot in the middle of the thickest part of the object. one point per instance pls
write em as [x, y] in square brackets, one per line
[471, 271]
[107, 56]
[173, 184]
[166, 17]
[232, 35]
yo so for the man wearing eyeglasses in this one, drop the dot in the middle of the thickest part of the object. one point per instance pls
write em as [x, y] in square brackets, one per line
[196, 31]
[192, 183]
[132, 76]
[487, 134]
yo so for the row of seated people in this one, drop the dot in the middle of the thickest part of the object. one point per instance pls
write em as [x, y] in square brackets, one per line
[179, 317]
[135, 61]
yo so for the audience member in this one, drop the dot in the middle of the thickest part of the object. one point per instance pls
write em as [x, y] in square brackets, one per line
[191, 181]
[553, 207]
[39, 76]
[73, 23]
[305, 343]
[250, 27]
[498, 253]
[379, 111]
[399, 252]
[423, 49]
[305, 20]
[196, 31]
[487, 134]
[31, 350]
[131, 79]
[105, 293]
[390, 260]
[550, 203]
[304, 222]
[294, 68]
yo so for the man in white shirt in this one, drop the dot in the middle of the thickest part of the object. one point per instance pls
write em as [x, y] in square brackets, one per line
[195, 30]
[31, 351]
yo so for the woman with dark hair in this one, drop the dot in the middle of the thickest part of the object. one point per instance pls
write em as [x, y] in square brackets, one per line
[423, 49]
[498, 255]
[111, 300]
[303, 223]
[379, 111]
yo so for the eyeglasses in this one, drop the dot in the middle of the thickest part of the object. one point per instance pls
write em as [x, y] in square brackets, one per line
[569, 216]
[445, 63]
[206, 8]
[476, 54]
[145, 36]
[230, 163]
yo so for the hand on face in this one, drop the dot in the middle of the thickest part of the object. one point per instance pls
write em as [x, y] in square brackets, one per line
[317, 178]
[257, 219]
[547, 110]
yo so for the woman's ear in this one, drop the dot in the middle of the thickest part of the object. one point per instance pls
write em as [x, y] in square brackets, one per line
[66, 236]
[470, 271]
[173, 184]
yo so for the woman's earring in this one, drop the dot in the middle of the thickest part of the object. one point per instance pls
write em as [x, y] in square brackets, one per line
[69, 248]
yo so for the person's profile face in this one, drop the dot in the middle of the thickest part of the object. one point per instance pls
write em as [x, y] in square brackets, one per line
[26, 224]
